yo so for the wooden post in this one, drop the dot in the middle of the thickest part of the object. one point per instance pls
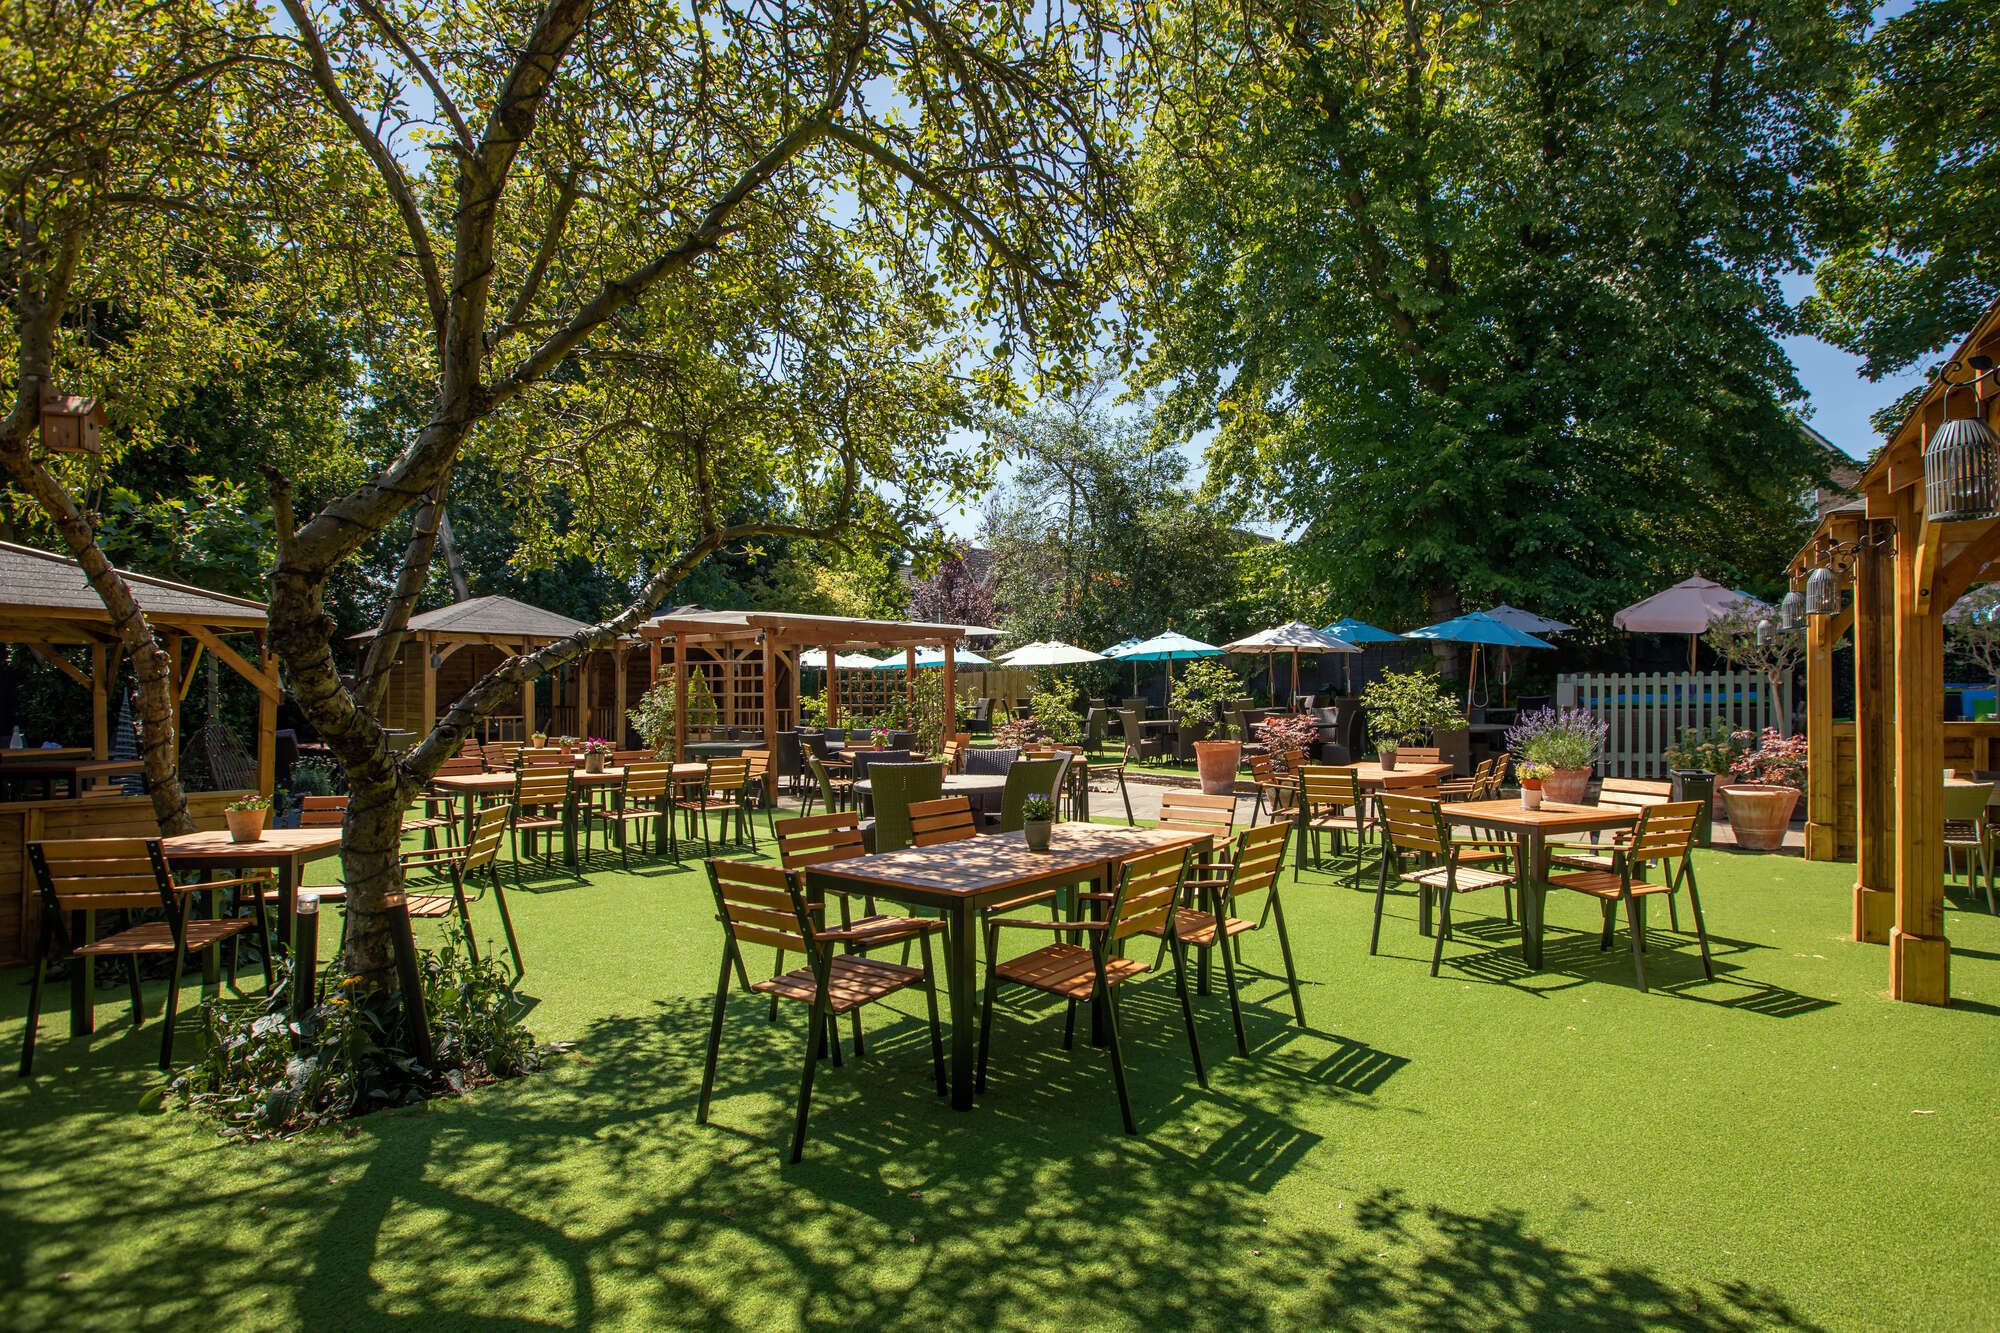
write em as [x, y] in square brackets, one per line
[1874, 743]
[832, 691]
[770, 693]
[586, 668]
[1919, 954]
[792, 658]
[267, 717]
[1822, 797]
[101, 663]
[910, 674]
[949, 724]
[680, 699]
[620, 692]
[652, 663]
[527, 705]
[428, 710]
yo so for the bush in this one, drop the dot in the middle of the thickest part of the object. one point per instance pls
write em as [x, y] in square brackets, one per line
[653, 716]
[1057, 713]
[1777, 760]
[1408, 707]
[812, 710]
[265, 1074]
[1016, 732]
[314, 776]
[1714, 749]
[1203, 693]
[1288, 732]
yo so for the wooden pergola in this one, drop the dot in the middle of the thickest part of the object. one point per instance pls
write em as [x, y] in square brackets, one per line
[781, 638]
[47, 605]
[1904, 571]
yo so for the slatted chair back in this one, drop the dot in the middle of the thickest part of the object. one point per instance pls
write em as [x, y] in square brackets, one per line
[947, 819]
[647, 781]
[1260, 854]
[627, 758]
[541, 787]
[727, 775]
[461, 765]
[101, 874]
[542, 756]
[1326, 787]
[1664, 832]
[489, 828]
[1426, 789]
[1294, 760]
[759, 764]
[1503, 770]
[500, 755]
[1148, 887]
[470, 748]
[817, 839]
[759, 904]
[954, 754]
[1417, 754]
[322, 811]
[1965, 806]
[1263, 769]
[1413, 824]
[1198, 812]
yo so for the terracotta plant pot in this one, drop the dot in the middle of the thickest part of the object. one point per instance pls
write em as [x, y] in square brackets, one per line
[1531, 798]
[1217, 761]
[1567, 786]
[245, 825]
[1386, 756]
[1036, 832]
[1760, 814]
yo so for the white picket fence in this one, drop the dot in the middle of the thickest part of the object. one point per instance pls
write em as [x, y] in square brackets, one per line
[1648, 712]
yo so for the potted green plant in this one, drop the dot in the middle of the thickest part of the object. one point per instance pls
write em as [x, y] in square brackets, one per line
[1768, 779]
[1200, 700]
[596, 753]
[1406, 707]
[1038, 815]
[1565, 741]
[1532, 777]
[245, 816]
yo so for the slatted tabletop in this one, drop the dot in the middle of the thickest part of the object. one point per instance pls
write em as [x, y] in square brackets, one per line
[1531, 830]
[1371, 774]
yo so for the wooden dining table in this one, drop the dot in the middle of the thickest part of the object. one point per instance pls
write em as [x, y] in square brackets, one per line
[473, 786]
[1530, 831]
[72, 772]
[958, 879]
[1370, 777]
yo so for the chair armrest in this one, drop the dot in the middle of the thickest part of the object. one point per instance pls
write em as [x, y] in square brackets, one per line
[239, 881]
[861, 934]
[1094, 897]
[1026, 923]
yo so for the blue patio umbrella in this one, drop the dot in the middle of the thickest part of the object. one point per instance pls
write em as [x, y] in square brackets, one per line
[932, 657]
[1481, 631]
[1162, 647]
[1359, 632]
[1528, 621]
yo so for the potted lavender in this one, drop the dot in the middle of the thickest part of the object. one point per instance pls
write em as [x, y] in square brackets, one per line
[1564, 741]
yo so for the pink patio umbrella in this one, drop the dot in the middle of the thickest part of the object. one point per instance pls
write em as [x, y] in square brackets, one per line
[1686, 608]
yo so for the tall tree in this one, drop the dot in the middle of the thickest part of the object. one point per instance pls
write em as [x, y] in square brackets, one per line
[581, 188]
[1482, 297]
[1911, 207]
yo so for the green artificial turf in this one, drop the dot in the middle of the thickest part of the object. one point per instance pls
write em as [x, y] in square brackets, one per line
[1782, 1147]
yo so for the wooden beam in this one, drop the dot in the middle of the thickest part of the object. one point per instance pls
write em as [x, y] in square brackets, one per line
[832, 691]
[949, 723]
[1919, 954]
[63, 664]
[1957, 575]
[652, 663]
[1874, 746]
[1822, 796]
[680, 701]
[188, 673]
[770, 695]
[427, 705]
[619, 692]
[1837, 626]
[267, 721]
[230, 658]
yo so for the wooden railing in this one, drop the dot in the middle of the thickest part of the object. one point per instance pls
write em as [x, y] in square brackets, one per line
[1648, 712]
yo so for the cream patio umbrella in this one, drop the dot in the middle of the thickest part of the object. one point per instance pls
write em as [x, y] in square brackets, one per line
[1294, 637]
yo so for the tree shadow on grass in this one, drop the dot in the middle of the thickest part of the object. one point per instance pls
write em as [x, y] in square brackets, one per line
[589, 1194]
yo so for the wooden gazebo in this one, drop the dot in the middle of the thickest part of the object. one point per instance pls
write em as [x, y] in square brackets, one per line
[1875, 785]
[756, 656]
[46, 605]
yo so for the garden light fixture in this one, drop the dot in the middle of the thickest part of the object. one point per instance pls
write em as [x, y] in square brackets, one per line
[1962, 460]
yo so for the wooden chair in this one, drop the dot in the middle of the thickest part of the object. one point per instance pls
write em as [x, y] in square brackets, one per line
[1334, 806]
[540, 809]
[946, 819]
[762, 779]
[1258, 856]
[1276, 792]
[627, 758]
[500, 755]
[440, 808]
[1414, 825]
[1143, 901]
[725, 790]
[542, 756]
[759, 904]
[641, 800]
[1474, 788]
[1197, 812]
[1418, 754]
[79, 877]
[480, 852]
[1663, 834]
[834, 789]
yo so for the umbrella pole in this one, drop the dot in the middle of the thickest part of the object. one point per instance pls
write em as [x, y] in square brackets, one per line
[1692, 640]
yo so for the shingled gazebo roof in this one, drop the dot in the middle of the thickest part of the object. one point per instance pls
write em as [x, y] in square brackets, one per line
[44, 597]
[493, 617]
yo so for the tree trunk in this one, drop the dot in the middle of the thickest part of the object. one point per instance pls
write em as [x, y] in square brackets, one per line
[1444, 605]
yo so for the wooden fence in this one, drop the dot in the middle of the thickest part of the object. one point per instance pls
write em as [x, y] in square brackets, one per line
[1648, 712]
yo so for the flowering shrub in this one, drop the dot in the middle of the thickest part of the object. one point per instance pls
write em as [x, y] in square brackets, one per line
[1287, 732]
[1558, 738]
[1016, 732]
[1778, 761]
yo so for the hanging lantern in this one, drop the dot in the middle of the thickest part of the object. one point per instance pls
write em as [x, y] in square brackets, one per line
[1822, 592]
[1767, 632]
[1962, 472]
[1790, 609]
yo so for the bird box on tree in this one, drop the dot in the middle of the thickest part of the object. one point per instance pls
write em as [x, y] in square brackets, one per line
[70, 424]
